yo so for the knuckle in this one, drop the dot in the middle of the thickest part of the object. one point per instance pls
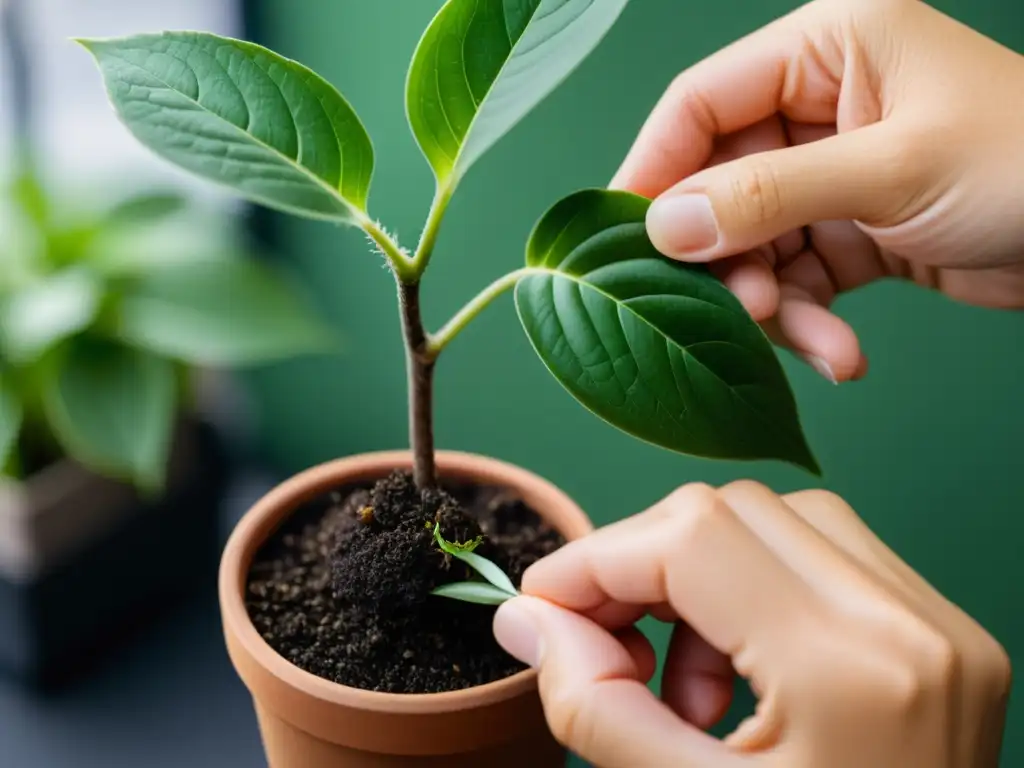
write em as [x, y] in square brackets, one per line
[817, 495]
[929, 670]
[744, 487]
[689, 99]
[685, 497]
[818, 498]
[939, 660]
[692, 513]
[996, 667]
[905, 690]
[754, 193]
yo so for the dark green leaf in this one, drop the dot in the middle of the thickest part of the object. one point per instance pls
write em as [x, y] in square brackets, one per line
[10, 421]
[44, 312]
[227, 313]
[661, 350]
[473, 592]
[240, 115]
[113, 409]
[482, 65]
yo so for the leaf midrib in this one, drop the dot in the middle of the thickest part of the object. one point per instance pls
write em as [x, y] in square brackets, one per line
[456, 171]
[682, 347]
[358, 214]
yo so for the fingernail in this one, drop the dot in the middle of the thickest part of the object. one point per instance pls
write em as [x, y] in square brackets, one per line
[516, 632]
[682, 224]
[821, 367]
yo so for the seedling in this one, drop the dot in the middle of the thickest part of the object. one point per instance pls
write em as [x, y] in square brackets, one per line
[495, 591]
[660, 350]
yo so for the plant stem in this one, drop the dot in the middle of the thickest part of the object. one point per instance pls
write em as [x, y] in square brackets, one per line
[431, 229]
[420, 369]
[439, 340]
[400, 264]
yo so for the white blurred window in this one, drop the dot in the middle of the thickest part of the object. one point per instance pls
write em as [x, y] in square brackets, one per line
[78, 139]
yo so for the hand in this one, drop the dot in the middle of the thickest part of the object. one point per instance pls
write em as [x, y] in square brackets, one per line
[847, 142]
[856, 660]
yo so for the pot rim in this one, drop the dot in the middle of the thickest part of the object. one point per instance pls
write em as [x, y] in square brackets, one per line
[271, 511]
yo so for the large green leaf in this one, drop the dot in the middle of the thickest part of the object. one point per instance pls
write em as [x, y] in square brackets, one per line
[36, 317]
[240, 115]
[661, 350]
[113, 409]
[220, 313]
[482, 65]
[10, 421]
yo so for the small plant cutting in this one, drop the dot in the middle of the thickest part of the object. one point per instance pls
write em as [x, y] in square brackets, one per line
[346, 587]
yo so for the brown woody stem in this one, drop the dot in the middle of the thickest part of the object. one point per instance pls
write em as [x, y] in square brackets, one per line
[420, 367]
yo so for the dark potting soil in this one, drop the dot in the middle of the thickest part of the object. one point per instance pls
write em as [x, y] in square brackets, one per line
[342, 590]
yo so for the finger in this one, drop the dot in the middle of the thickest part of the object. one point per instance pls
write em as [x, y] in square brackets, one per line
[594, 700]
[750, 277]
[838, 522]
[697, 682]
[822, 339]
[982, 660]
[772, 70]
[640, 650]
[689, 550]
[863, 175]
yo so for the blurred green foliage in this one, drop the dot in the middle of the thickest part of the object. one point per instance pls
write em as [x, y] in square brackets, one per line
[103, 314]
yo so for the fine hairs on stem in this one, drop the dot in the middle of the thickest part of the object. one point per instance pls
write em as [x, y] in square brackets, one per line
[422, 348]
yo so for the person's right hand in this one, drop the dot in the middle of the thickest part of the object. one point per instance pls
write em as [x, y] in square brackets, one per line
[849, 141]
[856, 660]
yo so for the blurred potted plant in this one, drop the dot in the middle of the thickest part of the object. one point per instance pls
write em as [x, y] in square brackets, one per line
[110, 480]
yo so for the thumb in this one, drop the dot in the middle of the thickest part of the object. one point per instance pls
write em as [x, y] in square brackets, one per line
[594, 699]
[873, 175]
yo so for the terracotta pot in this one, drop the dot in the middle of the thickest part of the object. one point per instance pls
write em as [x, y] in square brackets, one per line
[309, 722]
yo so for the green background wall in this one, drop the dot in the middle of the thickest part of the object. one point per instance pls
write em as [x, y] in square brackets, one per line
[927, 449]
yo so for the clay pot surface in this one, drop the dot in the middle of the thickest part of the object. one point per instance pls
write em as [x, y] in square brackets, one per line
[308, 722]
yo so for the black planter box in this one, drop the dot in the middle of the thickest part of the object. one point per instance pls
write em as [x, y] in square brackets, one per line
[85, 562]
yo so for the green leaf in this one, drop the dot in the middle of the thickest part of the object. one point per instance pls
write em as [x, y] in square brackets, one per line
[35, 318]
[145, 209]
[113, 409]
[10, 421]
[481, 565]
[132, 250]
[221, 313]
[488, 570]
[482, 65]
[240, 115]
[661, 350]
[473, 592]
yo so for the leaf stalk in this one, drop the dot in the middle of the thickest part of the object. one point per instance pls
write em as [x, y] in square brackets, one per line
[432, 228]
[439, 340]
[401, 265]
